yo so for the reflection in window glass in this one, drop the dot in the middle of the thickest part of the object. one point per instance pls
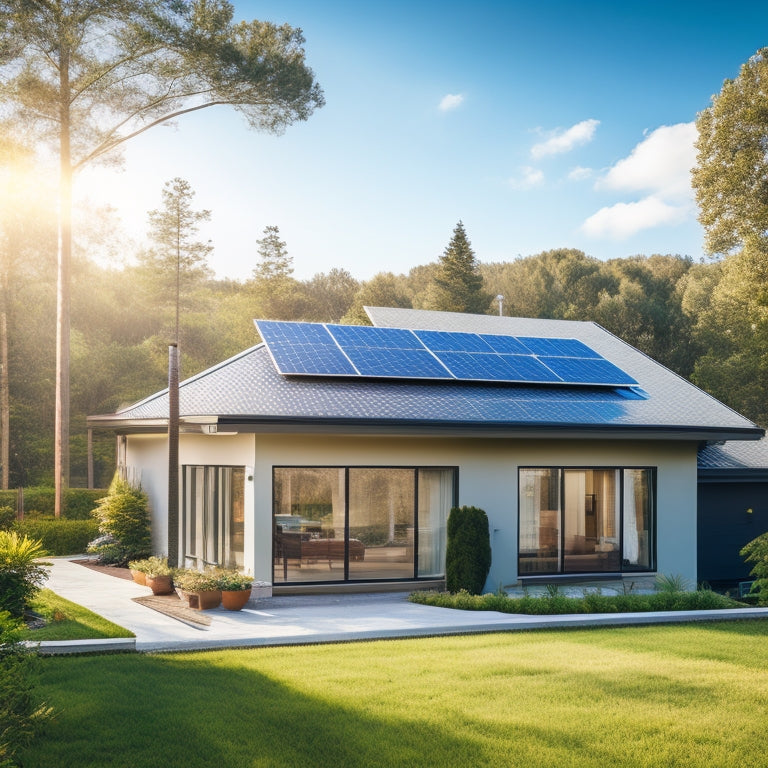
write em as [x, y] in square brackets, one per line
[360, 523]
[585, 520]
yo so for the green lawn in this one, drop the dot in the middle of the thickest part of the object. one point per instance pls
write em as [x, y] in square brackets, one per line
[69, 621]
[686, 695]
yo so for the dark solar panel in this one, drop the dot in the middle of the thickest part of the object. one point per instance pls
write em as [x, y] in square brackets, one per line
[397, 363]
[348, 350]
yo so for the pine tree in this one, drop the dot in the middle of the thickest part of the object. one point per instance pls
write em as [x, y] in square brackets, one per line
[458, 284]
[274, 261]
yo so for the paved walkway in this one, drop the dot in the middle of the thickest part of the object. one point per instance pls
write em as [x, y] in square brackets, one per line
[294, 620]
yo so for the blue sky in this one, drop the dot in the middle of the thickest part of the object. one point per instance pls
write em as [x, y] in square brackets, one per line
[538, 124]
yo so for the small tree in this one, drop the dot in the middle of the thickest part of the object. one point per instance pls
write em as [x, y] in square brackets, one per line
[468, 555]
[123, 517]
[757, 552]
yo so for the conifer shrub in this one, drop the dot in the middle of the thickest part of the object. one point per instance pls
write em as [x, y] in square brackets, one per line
[468, 552]
[124, 525]
[757, 552]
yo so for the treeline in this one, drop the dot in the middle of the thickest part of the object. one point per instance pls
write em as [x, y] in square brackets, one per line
[692, 317]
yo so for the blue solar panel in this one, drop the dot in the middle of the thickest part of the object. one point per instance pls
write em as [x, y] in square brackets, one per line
[366, 336]
[583, 371]
[344, 350]
[397, 363]
[557, 347]
[445, 341]
[505, 344]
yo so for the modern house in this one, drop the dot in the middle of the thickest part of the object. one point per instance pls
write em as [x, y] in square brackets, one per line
[329, 456]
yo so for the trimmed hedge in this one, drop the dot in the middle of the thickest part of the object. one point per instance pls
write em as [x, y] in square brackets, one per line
[60, 537]
[591, 602]
[77, 502]
[468, 552]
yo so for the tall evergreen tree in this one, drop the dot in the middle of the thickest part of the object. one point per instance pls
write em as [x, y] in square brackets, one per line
[458, 284]
[88, 76]
[277, 293]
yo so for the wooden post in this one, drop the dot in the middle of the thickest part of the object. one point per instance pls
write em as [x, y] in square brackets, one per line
[173, 455]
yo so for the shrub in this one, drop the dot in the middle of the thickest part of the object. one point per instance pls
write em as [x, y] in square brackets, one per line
[77, 503]
[7, 517]
[757, 552]
[123, 514]
[468, 552]
[190, 580]
[59, 537]
[152, 566]
[21, 575]
[20, 715]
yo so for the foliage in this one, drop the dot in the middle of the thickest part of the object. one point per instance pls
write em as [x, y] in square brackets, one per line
[152, 566]
[59, 537]
[731, 165]
[78, 502]
[7, 517]
[458, 284]
[690, 696]
[124, 515]
[21, 572]
[557, 602]
[66, 620]
[757, 552]
[468, 551]
[190, 580]
[232, 580]
[21, 715]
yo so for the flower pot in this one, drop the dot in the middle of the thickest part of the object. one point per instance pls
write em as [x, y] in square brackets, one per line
[235, 599]
[139, 577]
[160, 585]
[205, 599]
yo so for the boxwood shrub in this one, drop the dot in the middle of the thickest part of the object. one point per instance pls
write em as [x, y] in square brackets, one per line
[60, 537]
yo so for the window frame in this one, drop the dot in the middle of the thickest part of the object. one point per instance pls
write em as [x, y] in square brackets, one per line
[621, 469]
[346, 468]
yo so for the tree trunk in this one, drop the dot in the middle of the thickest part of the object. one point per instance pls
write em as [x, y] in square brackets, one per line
[5, 401]
[63, 279]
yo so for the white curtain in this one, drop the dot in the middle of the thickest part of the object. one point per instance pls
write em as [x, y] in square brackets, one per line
[435, 500]
[631, 538]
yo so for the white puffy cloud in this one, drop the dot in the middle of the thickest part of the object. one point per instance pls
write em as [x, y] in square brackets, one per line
[451, 101]
[660, 166]
[578, 173]
[530, 177]
[623, 220]
[561, 141]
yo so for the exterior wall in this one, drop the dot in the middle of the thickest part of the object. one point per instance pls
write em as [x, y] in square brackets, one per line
[487, 478]
[726, 525]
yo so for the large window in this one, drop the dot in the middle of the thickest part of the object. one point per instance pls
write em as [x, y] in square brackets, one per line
[586, 520]
[213, 521]
[360, 523]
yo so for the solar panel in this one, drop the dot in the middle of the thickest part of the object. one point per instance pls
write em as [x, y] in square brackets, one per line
[314, 349]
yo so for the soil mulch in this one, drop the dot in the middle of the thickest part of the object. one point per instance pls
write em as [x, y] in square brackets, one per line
[111, 570]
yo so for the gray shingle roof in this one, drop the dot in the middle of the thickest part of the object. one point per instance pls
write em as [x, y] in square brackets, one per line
[247, 390]
[735, 456]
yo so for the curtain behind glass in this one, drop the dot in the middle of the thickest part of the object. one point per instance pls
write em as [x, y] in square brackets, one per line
[435, 502]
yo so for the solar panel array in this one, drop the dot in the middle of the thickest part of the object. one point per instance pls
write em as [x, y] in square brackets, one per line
[317, 349]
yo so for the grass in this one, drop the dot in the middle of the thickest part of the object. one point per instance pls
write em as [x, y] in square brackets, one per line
[69, 621]
[555, 602]
[681, 695]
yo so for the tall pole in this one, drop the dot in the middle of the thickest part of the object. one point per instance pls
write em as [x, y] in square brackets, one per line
[173, 455]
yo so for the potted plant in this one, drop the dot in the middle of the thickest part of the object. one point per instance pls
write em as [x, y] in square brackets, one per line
[235, 588]
[138, 570]
[200, 588]
[158, 575]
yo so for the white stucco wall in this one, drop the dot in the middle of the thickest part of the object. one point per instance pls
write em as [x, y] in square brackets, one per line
[487, 479]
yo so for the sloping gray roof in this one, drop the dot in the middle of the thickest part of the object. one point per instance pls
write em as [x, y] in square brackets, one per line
[734, 460]
[246, 391]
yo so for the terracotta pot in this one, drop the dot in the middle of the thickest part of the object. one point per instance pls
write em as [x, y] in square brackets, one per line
[234, 600]
[160, 585]
[139, 577]
[205, 599]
